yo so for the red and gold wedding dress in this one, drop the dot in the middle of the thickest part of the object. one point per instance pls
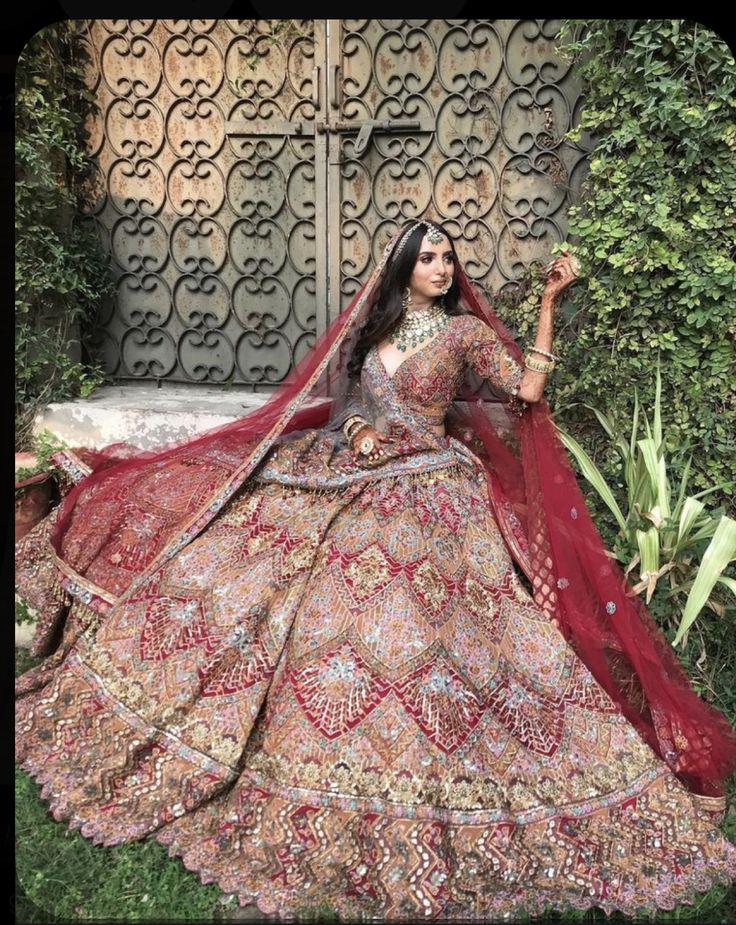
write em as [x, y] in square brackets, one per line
[339, 686]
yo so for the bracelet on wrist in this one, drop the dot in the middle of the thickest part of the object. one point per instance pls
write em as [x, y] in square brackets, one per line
[351, 421]
[349, 434]
[355, 422]
[545, 353]
[353, 425]
[355, 431]
[539, 366]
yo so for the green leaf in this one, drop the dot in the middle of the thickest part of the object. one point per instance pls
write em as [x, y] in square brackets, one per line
[658, 410]
[729, 583]
[648, 543]
[593, 475]
[634, 422]
[655, 465]
[691, 512]
[721, 550]
[643, 495]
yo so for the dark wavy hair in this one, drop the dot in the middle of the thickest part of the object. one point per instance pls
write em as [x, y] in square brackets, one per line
[386, 313]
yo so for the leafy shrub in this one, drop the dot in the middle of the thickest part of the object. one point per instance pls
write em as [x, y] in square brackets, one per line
[61, 271]
[681, 548]
[655, 231]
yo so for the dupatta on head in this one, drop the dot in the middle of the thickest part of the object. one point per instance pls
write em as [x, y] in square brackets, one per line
[127, 517]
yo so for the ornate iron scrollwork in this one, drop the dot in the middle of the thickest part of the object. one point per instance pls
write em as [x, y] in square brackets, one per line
[250, 171]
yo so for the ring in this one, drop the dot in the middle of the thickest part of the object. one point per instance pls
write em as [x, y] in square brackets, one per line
[366, 445]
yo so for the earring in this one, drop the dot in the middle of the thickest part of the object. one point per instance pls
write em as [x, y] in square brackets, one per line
[406, 298]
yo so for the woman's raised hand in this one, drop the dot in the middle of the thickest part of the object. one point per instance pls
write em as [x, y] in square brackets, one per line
[377, 453]
[561, 273]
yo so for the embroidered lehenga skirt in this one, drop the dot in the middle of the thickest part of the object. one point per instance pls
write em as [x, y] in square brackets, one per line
[346, 694]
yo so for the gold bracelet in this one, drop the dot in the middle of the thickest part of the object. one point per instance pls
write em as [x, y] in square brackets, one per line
[349, 434]
[350, 421]
[352, 427]
[357, 419]
[545, 353]
[539, 366]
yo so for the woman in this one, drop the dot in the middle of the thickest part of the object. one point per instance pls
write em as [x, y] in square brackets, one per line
[297, 651]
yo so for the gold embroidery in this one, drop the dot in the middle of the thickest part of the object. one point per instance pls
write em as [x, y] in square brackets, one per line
[375, 714]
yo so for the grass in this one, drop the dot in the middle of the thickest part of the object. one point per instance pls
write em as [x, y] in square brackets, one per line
[63, 877]
[21, 614]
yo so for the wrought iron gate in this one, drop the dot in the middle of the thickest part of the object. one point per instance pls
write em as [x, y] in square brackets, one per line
[251, 171]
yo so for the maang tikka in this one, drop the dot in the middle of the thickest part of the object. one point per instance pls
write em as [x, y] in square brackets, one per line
[434, 235]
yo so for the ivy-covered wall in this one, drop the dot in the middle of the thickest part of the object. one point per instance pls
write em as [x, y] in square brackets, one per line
[61, 271]
[655, 229]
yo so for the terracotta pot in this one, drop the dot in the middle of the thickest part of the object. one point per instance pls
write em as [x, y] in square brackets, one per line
[32, 502]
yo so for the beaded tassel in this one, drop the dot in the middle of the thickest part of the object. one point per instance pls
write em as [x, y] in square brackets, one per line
[61, 595]
[88, 617]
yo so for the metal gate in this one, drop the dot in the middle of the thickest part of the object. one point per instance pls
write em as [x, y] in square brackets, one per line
[251, 171]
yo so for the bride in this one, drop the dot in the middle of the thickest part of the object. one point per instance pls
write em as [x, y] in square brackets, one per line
[370, 649]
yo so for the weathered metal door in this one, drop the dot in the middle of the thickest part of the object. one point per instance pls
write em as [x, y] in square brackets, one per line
[253, 170]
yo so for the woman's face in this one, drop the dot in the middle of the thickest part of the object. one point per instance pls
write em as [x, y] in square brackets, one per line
[433, 271]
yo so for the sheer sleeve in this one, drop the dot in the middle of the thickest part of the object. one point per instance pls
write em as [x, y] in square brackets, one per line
[351, 403]
[488, 357]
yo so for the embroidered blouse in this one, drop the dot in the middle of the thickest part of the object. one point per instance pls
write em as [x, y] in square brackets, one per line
[406, 405]
[428, 379]
[489, 358]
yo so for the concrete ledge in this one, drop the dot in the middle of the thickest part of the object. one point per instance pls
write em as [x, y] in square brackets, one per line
[24, 634]
[144, 415]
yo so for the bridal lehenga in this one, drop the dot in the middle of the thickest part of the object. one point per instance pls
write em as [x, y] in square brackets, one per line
[341, 689]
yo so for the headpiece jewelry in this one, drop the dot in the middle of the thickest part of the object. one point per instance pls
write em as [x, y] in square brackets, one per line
[434, 235]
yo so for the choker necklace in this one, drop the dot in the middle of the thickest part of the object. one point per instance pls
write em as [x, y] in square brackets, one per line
[419, 325]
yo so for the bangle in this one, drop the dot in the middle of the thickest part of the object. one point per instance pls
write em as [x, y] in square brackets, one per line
[352, 426]
[353, 429]
[352, 420]
[347, 429]
[539, 366]
[356, 430]
[545, 353]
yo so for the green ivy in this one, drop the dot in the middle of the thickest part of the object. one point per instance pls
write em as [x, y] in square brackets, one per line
[655, 231]
[61, 271]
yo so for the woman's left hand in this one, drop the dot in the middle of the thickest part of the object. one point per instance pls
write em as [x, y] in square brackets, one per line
[561, 273]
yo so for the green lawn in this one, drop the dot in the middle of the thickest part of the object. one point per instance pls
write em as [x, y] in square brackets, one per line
[63, 877]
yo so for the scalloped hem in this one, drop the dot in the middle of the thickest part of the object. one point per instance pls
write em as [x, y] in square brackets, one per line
[288, 903]
[503, 910]
[226, 848]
